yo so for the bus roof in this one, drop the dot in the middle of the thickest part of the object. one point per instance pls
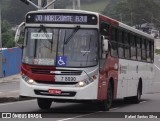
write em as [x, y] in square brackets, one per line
[127, 27]
[122, 25]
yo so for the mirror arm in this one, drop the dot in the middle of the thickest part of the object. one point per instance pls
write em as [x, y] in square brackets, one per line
[17, 35]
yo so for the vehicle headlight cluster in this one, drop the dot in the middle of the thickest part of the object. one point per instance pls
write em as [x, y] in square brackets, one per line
[84, 82]
[27, 79]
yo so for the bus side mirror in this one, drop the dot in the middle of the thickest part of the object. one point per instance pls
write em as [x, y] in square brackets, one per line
[105, 46]
[18, 34]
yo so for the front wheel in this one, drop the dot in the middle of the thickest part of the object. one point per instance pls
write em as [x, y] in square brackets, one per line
[106, 104]
[44, 103]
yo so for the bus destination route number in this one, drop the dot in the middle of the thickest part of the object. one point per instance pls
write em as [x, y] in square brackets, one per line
[65, 18]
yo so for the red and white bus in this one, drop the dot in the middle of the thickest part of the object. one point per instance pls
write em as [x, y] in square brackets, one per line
[78, 56]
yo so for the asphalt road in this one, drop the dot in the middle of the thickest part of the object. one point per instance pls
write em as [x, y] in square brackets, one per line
[78, 112]
[156, 84]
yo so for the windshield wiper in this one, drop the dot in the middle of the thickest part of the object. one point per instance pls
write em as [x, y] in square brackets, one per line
[45, 32]
[72, 34]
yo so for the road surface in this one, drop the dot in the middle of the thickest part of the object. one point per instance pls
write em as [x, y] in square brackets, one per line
[73, 111]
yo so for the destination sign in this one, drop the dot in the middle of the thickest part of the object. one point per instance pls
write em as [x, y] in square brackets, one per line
[62, 18]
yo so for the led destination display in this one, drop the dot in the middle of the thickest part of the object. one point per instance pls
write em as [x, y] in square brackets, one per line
[61, 18]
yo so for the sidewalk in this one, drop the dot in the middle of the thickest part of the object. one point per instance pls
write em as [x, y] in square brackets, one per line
[14, 78]
[11, 95]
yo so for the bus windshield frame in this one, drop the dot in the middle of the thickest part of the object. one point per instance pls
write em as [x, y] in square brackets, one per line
[80, 51]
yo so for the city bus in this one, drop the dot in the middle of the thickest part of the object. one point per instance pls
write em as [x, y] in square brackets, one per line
[82, 56]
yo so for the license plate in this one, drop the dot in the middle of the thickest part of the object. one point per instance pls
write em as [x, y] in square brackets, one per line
[54, 91]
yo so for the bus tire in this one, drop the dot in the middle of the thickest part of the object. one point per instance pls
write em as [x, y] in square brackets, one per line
[106, 104]
[44, 103]
[136, 99]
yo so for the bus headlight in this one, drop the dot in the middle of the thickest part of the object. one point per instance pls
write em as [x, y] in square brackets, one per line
[84, 82]
[81, 84]
[27, 79]
[30, 81]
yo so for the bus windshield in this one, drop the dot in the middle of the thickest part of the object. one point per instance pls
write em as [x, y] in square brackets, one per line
[61, 47]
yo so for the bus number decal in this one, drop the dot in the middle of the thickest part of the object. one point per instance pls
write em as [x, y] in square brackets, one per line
[69, 79]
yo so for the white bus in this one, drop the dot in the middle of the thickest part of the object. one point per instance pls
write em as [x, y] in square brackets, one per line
[82, 56]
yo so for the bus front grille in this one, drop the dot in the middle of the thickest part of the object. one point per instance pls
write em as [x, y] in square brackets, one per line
[55, 83]
[56, 72]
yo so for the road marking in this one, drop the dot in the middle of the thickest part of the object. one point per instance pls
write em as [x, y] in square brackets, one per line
[157, 67]
[78, 116]
[85, 115]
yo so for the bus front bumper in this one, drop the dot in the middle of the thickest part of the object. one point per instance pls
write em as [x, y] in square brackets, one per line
[88, 92]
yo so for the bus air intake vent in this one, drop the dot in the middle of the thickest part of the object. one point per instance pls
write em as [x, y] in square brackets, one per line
[56, 72]
[55, 83]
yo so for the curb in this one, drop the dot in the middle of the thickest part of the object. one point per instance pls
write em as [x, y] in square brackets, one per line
[14, 99]
[14, 78]
[9, 81]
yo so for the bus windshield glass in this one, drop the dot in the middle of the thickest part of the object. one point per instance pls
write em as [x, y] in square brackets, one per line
[61, 47]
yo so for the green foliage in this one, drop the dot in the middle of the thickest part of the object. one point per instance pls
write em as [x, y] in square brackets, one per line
[15, 12]
[97, 6]
[5, 26]
[7, 35]
[62, 4]
[157, 51]
[88, 1]
[134, 12]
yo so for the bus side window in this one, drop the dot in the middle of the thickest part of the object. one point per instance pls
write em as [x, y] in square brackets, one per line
[139, 48]
[148, 45]
[143, 49]
[152, 51]
[114, 44]
[133, 47]
[121, 44]
[126, 45]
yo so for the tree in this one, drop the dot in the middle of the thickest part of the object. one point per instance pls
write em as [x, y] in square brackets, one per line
[133, 12]
[16, 11]
[7, 35]
[62, 4]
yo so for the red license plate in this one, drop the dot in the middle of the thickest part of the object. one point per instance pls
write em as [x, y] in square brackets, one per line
[54, 91]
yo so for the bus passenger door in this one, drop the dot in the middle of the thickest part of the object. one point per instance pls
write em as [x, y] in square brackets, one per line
[102, 85]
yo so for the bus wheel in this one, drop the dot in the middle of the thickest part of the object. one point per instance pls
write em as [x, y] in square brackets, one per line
[136, 99]
[44, 103]
[106, 104]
